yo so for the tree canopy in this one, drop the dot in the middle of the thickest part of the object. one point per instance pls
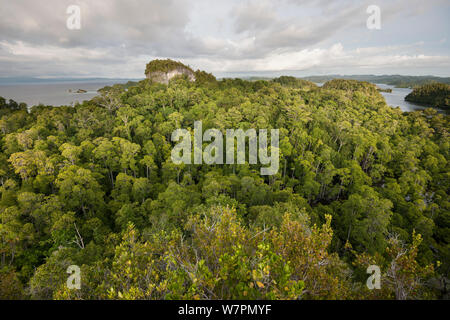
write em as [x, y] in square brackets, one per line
[93, 185]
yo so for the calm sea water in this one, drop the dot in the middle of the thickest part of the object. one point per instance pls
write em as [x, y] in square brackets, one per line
[396, 98]
[55, 94]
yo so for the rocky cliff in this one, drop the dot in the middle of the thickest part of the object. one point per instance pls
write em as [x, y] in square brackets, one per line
[163, 70]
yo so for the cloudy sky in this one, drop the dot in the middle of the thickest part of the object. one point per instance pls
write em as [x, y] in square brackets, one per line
[230, 37]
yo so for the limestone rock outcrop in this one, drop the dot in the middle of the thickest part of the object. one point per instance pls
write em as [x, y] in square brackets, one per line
[163, 70]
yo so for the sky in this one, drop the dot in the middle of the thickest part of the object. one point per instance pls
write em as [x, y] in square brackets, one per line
[117, 38]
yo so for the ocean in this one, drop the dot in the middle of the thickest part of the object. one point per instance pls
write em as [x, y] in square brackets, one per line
[54, 93]
[397, 98]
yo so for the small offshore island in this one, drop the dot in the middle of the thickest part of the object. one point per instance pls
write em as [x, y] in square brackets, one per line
[388, 90]
[77, 91]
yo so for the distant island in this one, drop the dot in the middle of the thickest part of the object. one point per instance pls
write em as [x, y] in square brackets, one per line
[388, 90]
[78, 91]
[398, 81]
[293, 82]
[434, 94]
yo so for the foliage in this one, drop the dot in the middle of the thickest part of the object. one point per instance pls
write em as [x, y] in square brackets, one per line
[350, 85]
[93, 185]
[403, 277]
[293, 82]
[203, 78]
[165, 65]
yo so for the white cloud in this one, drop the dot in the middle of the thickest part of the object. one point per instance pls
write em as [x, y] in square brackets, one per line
[332, 58]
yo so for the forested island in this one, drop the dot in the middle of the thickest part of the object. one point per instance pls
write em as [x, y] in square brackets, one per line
[359, 184]
[434, 95]
[397, 81]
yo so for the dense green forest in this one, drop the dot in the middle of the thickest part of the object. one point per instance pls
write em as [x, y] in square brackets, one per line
[359, 184]
[434, 95]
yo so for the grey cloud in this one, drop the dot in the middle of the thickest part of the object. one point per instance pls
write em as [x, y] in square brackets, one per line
[104, 23]
[117, 36]
[275, 32]
[253, 16]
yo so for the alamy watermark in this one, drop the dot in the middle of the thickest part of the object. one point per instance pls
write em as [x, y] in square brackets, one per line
[258, 148]
[74, 280]
[73, 22]
[374, 20]
[374, 281]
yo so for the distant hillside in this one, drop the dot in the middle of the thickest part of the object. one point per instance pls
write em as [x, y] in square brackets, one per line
[435, 94]
[351, 85]
[293, 82]
[393, 80]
